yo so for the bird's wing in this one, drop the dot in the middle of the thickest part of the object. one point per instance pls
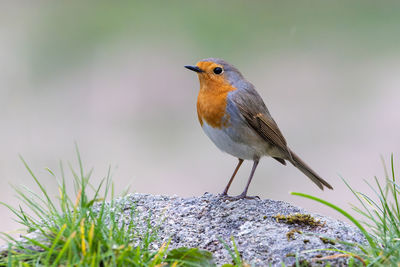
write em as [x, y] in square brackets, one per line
[256, 114]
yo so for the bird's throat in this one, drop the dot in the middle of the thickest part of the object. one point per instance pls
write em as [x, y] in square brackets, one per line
[212, 102]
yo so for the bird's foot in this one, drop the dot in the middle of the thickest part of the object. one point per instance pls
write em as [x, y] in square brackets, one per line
[238, 197]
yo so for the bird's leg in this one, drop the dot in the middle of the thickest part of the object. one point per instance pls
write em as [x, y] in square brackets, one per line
[244, 193]
[225, 193]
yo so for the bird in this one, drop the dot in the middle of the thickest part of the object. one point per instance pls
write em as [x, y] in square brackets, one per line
[234, 116]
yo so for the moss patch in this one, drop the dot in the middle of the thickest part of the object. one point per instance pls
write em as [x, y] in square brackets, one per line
[327, 241]
[300, 219]
[290, 234]
[302, 263]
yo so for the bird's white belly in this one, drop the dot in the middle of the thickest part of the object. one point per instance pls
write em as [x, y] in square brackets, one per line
[223, 141]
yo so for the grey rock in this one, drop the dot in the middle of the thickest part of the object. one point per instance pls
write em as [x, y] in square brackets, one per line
[202, 222]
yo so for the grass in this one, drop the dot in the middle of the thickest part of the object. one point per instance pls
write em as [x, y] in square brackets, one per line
[86, 230]
[380, 225]
[235, 254]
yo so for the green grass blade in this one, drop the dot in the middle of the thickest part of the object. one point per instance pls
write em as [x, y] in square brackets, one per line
[55, 242]
[65, 247]
[394, 191]
[37, 243]
[50, 203]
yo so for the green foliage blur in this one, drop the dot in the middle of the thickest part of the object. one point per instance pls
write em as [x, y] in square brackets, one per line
[68, 32]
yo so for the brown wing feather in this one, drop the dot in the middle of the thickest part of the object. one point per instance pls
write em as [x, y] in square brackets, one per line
[264, 126]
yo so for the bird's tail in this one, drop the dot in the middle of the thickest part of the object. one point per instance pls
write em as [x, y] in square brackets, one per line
[304, 168]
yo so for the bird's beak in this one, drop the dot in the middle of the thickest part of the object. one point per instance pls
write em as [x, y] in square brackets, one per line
[194, 68]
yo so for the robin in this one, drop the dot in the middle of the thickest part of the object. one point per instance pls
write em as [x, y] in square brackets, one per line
[235, 118]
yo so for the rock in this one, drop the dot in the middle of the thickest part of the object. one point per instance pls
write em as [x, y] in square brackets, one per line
[261, 229]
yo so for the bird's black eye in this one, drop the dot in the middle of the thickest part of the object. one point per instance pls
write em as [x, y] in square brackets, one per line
[217, 70]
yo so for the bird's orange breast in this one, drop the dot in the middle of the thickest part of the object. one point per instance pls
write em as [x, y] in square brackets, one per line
[212, 101]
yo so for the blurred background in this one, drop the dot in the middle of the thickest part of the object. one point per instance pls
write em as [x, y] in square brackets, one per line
[111, 78]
